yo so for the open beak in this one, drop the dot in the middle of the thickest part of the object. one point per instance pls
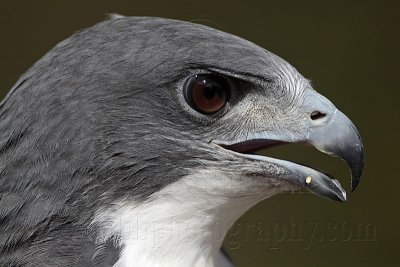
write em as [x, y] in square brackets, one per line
[339, 137]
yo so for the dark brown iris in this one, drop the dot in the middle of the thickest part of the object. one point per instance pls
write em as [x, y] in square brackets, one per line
[207, 93]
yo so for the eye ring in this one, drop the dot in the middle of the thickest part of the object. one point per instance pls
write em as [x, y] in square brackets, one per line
[207, 93]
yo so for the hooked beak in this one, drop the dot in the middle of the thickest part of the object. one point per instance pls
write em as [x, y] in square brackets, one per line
[340, 138]
[337, 136]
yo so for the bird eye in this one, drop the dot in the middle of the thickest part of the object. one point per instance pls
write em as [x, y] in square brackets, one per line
[206, 93]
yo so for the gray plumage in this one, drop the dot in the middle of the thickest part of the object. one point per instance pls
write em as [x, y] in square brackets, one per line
[100, 119]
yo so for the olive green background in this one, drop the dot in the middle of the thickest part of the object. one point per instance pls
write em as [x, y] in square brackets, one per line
[349, 49]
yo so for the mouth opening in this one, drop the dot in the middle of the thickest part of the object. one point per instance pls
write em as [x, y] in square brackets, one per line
[253, 146]
[300, 153]
[267, 150]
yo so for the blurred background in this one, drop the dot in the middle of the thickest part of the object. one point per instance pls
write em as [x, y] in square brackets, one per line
[350, 51]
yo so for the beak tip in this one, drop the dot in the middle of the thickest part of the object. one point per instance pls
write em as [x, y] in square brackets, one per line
[342, 196]
[344, 199]
[354, 184]
[356, 172]
[334, 191]
[354, 157]
[355, 180]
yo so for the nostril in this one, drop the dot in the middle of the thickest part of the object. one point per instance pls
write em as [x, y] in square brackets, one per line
[316, 115]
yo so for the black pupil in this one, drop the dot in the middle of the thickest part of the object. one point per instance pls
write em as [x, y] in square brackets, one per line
[211, 91]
